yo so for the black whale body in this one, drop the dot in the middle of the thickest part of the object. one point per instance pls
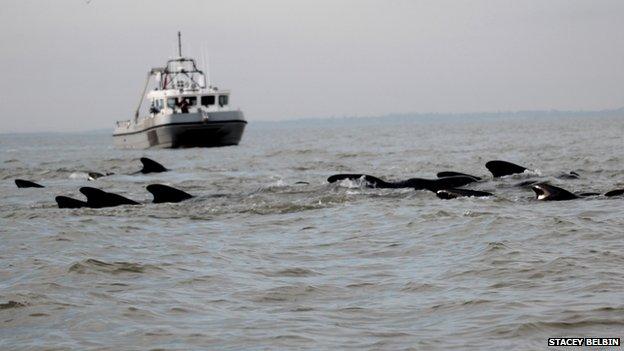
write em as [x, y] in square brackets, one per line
[151, 166]
[447, 194]
[416, 183]
[500, 168]
[23, 183]
[163, 193]
[97, 198]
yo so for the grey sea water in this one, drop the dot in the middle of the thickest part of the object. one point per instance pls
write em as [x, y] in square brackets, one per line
[259, 262]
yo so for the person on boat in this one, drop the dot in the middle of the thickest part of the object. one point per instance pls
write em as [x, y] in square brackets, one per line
[184, 105]
[154, 109]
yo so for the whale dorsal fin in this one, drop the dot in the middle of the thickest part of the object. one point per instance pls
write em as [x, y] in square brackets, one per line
[97, 198]
[22, 183]
[68, 202]
[151, 166]
[502, 168]
[163, 193]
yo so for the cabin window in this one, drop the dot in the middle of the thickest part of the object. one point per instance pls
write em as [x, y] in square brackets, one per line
[208, 100]
[172, 102]
[192, 100]
[223, 100]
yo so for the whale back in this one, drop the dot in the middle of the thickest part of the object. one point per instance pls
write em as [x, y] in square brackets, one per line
[503, 168]
[448, 194]
[447, 174]
[616, 192]
[371, 181]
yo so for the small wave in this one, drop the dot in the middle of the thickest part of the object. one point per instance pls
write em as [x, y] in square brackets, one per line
[419, 287]
[496, 246]
[11, 304]
[292, 272]
[531, 327]
[79, 175]
[91, 265]
[288, 293]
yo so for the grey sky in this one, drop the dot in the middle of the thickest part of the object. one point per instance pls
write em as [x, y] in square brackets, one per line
[69, 65]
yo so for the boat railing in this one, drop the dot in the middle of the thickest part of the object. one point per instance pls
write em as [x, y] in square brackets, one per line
[121, 124]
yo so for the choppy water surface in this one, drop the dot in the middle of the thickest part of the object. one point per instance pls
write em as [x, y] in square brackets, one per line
[256, 261]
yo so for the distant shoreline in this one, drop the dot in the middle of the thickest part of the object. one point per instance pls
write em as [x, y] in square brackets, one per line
[396, 117]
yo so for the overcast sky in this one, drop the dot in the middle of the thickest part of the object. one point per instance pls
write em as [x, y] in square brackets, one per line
[69, 65]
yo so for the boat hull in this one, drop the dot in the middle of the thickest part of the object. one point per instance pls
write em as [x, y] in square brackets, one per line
[184, 131]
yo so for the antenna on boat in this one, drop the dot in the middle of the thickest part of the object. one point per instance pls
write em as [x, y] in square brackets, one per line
[179, 44]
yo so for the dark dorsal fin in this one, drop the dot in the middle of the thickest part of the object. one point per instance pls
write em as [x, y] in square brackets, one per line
[68, 202]
[151, 166]
[97, 198]
[163, 193]
[503, 168]
[547, 192]
[22, 183]
[455, 174]
[372, 181]
[616, 192]
[447, 194]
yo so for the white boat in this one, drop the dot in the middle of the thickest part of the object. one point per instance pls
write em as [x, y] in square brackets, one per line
[183, 112]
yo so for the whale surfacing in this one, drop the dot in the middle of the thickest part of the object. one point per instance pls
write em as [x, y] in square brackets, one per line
[371, 181]
[415, 183]
[547, 192]
[616, 192]
[503, 168]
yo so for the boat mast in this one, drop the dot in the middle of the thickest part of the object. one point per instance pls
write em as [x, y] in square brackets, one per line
[179, 44]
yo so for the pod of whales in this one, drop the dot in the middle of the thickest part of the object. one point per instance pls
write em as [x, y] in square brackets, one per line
[97, 198]
[448, 184]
